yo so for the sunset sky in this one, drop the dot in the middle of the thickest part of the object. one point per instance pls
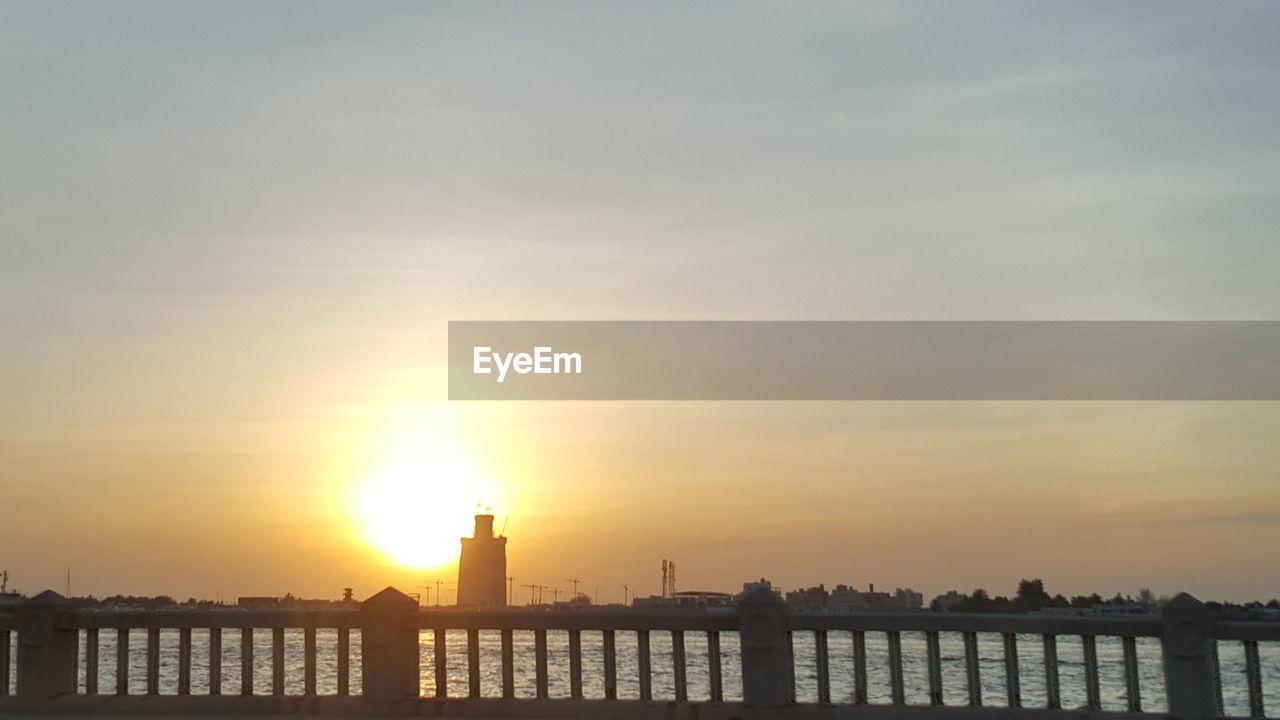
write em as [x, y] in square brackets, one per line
[232, 235]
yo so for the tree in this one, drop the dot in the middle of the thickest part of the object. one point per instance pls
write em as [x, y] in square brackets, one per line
[1031, 595]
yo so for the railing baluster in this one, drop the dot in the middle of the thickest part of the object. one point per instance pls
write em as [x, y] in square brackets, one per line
[1053, 693]
[442, 663]
[820, 659]
[309, 661]
[1012, 682]
[1253, 678]
[153, 661]
[277, 661]
[859, 667]
[90, 662]
[1217, 677]
[6, 645]
[540, 661]
[1092, 691]
[184, 661]
[895, 667]
[508, 664]
[610, 665]
[246, 661]
[973, 675]
[122, 661]
[473, 662]
[678, 667]
[575, 664]
[642, 661]
[215, 661]
[1131, 687]
[344, 661]
[713, 666]
[934, 652]
[791, 667]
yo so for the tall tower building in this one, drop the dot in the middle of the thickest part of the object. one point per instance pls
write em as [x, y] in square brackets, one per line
[482, 567]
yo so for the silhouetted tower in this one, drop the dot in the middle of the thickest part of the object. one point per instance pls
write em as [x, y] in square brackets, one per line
[482, 568]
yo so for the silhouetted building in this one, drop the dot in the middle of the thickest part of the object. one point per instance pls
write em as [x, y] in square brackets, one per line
[811, 598]
[482, 567]
[749, 587]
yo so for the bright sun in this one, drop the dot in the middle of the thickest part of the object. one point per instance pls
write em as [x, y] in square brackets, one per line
[420, 503]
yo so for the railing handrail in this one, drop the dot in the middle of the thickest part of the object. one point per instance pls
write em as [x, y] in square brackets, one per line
[977, 622]
[88, 618]
[624, 619]
[603, 619]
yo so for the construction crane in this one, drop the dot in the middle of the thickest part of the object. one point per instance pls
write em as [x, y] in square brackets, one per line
[533, 588]
[438, 583]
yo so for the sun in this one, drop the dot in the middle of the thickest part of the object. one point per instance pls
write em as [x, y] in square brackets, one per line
[420, 502]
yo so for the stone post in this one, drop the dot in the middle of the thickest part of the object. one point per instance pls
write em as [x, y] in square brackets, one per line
[389, 647]
[766, 660]
[46, 648]
[1188, 659]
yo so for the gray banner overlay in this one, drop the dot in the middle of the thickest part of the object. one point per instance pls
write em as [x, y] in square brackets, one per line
[865, 360]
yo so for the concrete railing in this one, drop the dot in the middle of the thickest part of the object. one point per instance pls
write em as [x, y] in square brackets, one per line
[58, 649]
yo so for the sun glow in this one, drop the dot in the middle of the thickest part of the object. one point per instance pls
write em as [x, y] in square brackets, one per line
[421, 501]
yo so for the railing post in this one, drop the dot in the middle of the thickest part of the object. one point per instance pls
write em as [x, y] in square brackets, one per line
[1187, 645]
[762, 628]
[389, 647]
[46, 648]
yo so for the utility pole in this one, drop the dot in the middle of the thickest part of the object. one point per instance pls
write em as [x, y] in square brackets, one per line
[555, 595]
[439, 582]
[625, 597]
[510, 589]
[575, 582]
[533, 588]
[428, 589]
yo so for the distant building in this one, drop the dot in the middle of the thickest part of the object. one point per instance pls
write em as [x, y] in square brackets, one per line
[686, 598]
[814, 598]
[845, 598]
[747, 587]
[908, 599]
[482, 567]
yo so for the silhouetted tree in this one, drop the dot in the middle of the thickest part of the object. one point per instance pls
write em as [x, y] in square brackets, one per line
[1031, 595]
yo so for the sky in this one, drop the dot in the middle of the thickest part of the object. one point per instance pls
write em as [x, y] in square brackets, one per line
[233, 235]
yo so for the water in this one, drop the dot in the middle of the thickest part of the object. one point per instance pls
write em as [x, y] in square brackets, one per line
[990, 647]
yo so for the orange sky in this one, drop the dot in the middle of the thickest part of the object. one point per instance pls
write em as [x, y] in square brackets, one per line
[231, 239]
